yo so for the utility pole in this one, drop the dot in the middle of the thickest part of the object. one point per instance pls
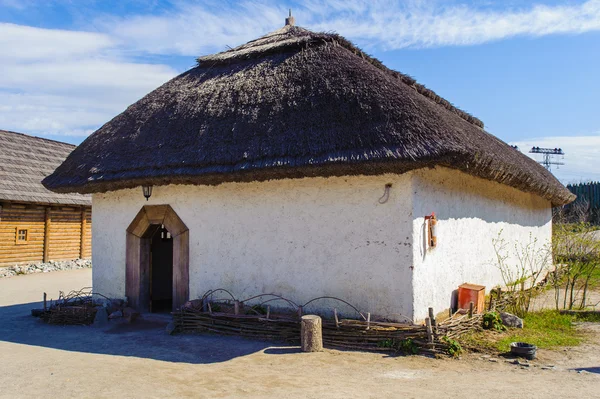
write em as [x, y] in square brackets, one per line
[549, 154]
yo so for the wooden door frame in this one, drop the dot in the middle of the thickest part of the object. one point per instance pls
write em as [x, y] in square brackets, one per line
[137, 276]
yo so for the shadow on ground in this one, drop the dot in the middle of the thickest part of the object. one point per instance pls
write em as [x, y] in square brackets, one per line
[595, 370]
[145, 338]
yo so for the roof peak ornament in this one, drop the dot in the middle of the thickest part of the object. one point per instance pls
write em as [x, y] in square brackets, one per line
[290, 20]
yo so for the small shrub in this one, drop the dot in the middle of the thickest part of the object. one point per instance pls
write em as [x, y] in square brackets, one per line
[492, 321]
[406, 346]
[521, 268]
[454, 348]
[386, 343]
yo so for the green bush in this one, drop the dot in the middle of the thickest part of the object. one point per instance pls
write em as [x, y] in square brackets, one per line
[454, 348]
[492, 321]
[406, 346]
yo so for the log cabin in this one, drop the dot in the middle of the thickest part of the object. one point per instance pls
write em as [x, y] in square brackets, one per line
[296, 164]
[37, 225]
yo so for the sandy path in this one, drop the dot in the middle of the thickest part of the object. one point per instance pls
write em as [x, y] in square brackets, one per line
[37, 360]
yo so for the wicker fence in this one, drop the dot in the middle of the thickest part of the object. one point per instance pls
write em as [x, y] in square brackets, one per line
[254, 318]
[234, 317]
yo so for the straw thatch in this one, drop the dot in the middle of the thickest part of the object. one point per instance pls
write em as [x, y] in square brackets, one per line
[291, 104]
[24, 162]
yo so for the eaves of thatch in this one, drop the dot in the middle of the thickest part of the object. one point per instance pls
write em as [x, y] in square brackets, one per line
[24, 162]
[291, 104]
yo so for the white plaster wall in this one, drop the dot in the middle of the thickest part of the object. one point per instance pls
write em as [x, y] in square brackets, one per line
[300, 238]
[470, 212]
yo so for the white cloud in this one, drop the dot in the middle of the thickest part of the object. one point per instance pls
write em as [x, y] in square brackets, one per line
[581, 160]
[192, 29]
[196, 29]
[85, 74]
[67, 82]
[65, 115]
[26, 43]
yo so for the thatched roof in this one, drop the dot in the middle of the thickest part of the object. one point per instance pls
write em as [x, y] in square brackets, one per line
[24, 162]
[293, 103]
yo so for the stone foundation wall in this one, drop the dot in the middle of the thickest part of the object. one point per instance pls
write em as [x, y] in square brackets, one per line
[51, 266]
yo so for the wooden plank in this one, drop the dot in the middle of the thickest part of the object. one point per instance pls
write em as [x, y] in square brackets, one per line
[17, 254]
[140, 224]
[21, 259]
[181, 269]
[25, 219]
[33, 242]
[65, 235]
[64, 256]
[173, 223]
[47, 225]
[62, 252]
[156, 213]
[22, 223]
[6, 249]
[144, 289]
[9, 228]
[132, 269]
[71, 244]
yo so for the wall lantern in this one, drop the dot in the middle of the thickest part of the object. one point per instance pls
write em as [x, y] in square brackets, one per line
[147, 191]
[386, 194]
[431, 229]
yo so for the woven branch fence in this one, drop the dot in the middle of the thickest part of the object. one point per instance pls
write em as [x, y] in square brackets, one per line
[233, 317]
[73, 308]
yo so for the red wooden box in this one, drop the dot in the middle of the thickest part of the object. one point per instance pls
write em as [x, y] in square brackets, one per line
[471, 293]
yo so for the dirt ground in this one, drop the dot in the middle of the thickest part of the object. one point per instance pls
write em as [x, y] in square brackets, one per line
[141, 360]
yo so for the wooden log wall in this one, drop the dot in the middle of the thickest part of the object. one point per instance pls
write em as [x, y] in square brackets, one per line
[13, 217]
[53, 233]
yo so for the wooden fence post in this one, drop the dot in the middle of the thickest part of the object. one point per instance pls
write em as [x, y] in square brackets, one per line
[311, 334]
[429, 330]
[433, 322]
[471, 308]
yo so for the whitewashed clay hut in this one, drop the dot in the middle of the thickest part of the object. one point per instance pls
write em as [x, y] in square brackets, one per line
[271, 165]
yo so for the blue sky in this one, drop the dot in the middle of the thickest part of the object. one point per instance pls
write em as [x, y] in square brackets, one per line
[528, 69]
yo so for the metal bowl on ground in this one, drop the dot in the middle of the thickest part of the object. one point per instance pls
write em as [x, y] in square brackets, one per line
[522, 349]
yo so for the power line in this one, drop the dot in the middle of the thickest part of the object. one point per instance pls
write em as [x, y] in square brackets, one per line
[549, 154]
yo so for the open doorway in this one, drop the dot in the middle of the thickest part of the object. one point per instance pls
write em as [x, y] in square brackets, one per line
[168, 256]
[161, 271]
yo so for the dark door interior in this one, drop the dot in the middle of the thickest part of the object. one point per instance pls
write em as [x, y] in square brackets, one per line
[161, 271]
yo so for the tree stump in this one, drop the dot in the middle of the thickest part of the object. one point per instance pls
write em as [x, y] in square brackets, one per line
[311, 334]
